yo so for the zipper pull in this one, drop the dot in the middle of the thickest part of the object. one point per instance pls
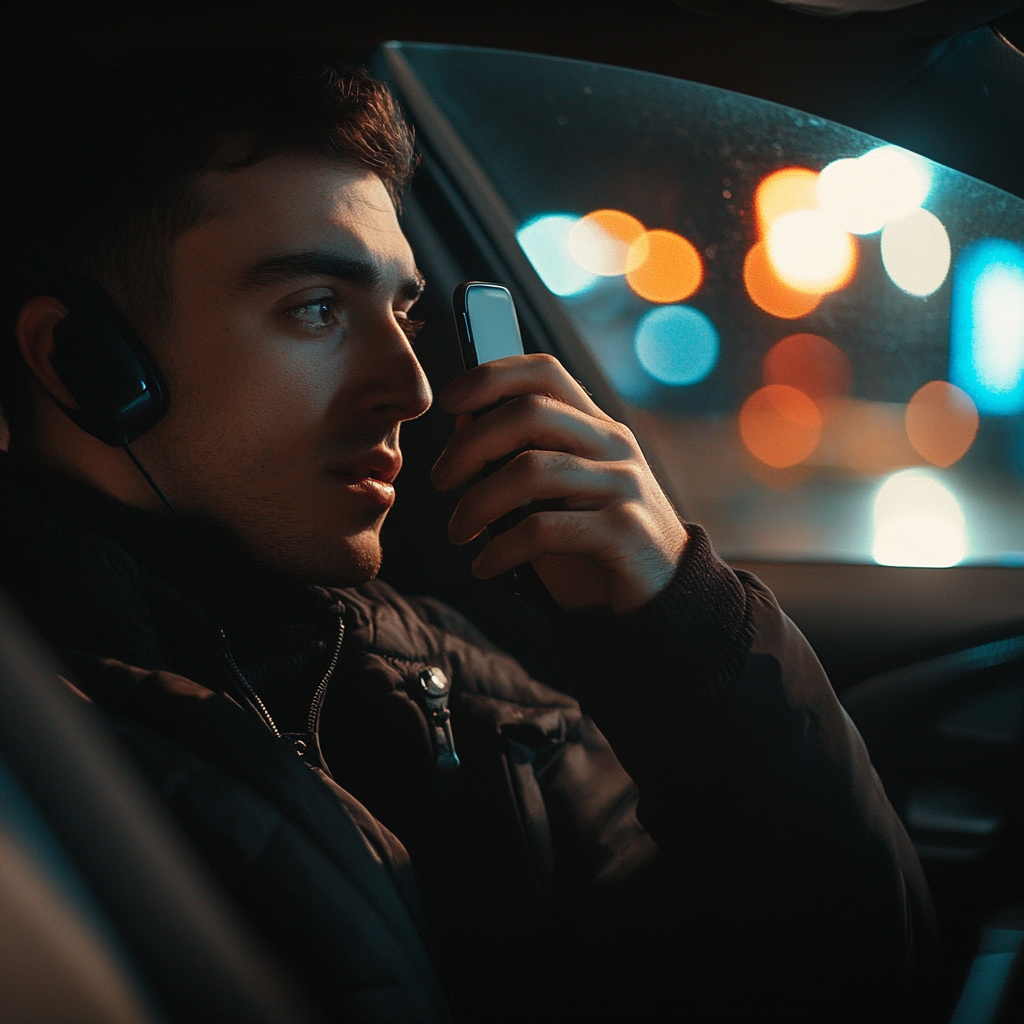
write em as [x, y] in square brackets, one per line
[307, 746]
[436, 689]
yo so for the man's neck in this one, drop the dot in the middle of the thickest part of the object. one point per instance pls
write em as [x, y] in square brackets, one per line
[54, 441]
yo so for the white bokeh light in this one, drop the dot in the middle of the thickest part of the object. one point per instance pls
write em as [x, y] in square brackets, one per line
[862, 195]
[843, 195]
[809, 251]
[918, 521]
[916, 252]
[545, 242]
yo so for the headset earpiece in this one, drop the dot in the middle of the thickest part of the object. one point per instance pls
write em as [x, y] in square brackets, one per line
[104, 365]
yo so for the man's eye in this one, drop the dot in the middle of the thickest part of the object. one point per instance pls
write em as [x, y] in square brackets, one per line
[317, 315]
[411, 327]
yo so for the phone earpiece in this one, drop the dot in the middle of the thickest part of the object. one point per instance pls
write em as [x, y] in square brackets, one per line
[102, 362]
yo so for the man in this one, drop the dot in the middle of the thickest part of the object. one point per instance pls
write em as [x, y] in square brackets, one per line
[466, 839]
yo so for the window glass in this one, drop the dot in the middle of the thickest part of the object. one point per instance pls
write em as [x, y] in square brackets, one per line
[818, 337]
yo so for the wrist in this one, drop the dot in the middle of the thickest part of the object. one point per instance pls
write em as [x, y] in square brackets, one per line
[657, 569]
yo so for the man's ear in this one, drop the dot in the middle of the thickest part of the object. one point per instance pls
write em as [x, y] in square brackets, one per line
[35, 325]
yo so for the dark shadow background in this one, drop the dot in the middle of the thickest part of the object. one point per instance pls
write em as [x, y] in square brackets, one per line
[932, 77]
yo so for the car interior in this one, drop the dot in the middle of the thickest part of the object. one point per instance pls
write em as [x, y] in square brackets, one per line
[837, 426]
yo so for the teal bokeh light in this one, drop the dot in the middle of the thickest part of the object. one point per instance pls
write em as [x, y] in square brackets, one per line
[986, 337]
[676, 345]
[543, 239]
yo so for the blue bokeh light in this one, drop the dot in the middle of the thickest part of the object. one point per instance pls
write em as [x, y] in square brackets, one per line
[676, 344]
[986, 338]
[543, 239]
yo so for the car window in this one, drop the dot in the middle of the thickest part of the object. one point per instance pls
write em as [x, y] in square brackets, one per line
[818, 337]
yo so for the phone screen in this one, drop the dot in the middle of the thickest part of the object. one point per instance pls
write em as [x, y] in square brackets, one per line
[488, 327]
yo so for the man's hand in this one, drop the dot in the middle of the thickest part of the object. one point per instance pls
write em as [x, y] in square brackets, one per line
[619, 539]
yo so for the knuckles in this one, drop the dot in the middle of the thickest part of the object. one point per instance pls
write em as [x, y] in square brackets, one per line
[534, 405]
[535, 463]
[543, 528]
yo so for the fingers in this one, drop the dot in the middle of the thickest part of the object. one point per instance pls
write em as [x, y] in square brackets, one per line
[538, 374]
[531, 421]
[616, 541]
[538, 475]
[606, 538]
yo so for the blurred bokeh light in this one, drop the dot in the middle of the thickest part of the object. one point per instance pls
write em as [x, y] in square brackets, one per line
[602, 242]
[986, 345]
[810, 252]
[676, 345]
[780, 425]
[670, 269]
[862, 195]
[915, 252]
[771, 294]
[810, 363]
[942, 422]
[865, 438]
[544, 239]
[792, 188]
[918, 521]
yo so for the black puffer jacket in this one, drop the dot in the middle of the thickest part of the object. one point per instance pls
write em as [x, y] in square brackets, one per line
[755, 870]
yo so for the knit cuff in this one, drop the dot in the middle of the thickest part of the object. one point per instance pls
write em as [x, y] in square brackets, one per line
[700, 620]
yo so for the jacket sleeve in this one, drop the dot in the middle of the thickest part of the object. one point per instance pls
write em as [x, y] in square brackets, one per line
[784, 866]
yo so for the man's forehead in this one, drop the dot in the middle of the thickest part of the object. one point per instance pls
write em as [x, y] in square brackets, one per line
[286, 214]
[308, 178]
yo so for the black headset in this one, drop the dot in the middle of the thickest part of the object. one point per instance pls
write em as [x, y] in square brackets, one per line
[102, 362]
[116, 383]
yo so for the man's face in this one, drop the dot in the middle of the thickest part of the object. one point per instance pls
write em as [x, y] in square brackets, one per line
[288, 365]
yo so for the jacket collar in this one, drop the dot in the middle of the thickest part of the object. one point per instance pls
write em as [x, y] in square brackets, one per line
[197, 558]
[103, 578]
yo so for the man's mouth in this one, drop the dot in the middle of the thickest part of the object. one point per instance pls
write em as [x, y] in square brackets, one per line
[371, 476]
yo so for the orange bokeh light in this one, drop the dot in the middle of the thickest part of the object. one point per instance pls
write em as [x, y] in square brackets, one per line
[780, 425]
[608, 242]
[810, 363]
[942, 422]
[792, 188]
[772, 295]
[866, 438]
[670, 271]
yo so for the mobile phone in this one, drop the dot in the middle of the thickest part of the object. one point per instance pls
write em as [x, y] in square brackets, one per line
[488, 328]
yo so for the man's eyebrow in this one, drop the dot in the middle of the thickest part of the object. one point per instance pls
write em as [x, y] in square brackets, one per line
[300, 266]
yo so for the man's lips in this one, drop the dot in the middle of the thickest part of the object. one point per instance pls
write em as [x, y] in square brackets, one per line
[372, 474]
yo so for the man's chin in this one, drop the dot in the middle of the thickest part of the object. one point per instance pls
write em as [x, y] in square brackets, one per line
[328, 561]
[358, 567]
[341, 562]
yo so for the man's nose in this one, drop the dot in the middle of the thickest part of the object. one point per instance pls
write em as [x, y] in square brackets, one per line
[401, 387]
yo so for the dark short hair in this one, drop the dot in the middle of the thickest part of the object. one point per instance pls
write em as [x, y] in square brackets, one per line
[101, 169]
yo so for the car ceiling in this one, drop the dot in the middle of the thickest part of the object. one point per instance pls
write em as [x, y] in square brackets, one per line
[942, 77]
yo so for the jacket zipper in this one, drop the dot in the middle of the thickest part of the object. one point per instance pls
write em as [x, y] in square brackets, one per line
[247, 691]
[431, 693]
[306, 745]
[313, 721]
[436, 689]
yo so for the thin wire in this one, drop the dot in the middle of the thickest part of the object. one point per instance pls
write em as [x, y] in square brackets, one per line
[149, 480]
